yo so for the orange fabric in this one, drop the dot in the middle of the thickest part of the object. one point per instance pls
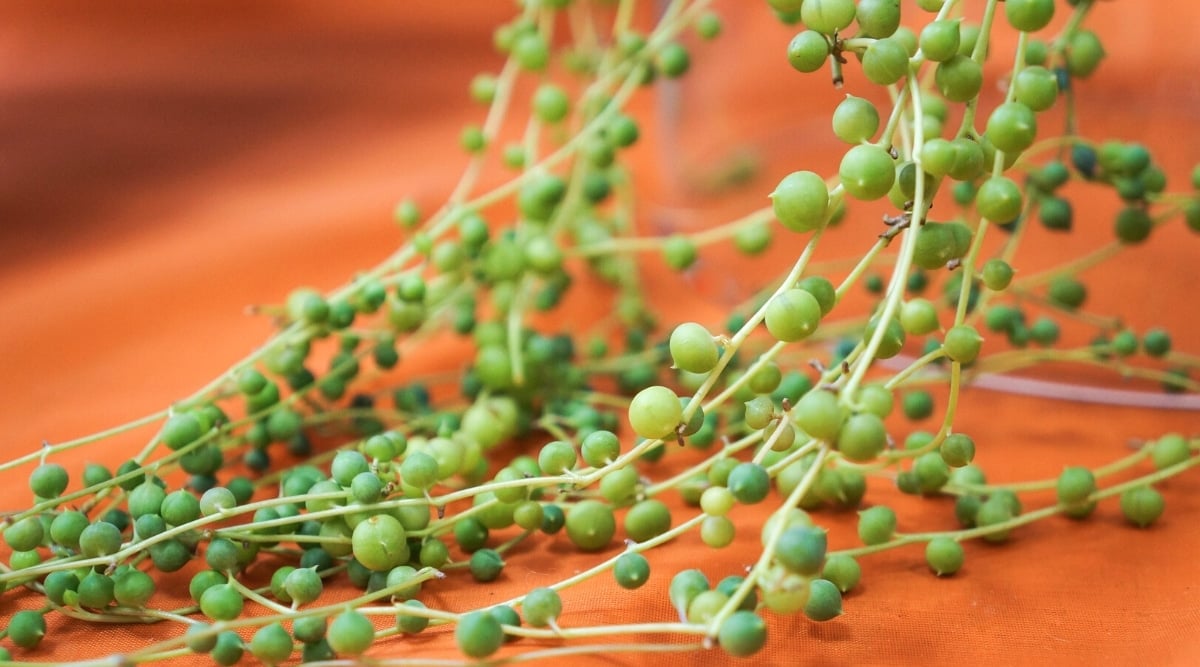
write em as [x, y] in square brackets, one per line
[164, 166]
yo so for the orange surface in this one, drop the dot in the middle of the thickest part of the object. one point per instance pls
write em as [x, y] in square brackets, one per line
[166, 165]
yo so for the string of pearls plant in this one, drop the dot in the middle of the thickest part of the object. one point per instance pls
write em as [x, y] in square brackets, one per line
[308, 452]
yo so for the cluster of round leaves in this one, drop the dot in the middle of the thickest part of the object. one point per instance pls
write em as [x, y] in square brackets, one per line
[1129, 169]
[794, 314]
[859, 436]
[886, 51]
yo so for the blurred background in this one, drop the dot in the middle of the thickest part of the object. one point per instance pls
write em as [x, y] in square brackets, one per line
[124, 114]
[165, 165]
[129, 113]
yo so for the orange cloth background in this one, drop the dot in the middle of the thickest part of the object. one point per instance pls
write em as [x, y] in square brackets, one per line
[164, 165]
